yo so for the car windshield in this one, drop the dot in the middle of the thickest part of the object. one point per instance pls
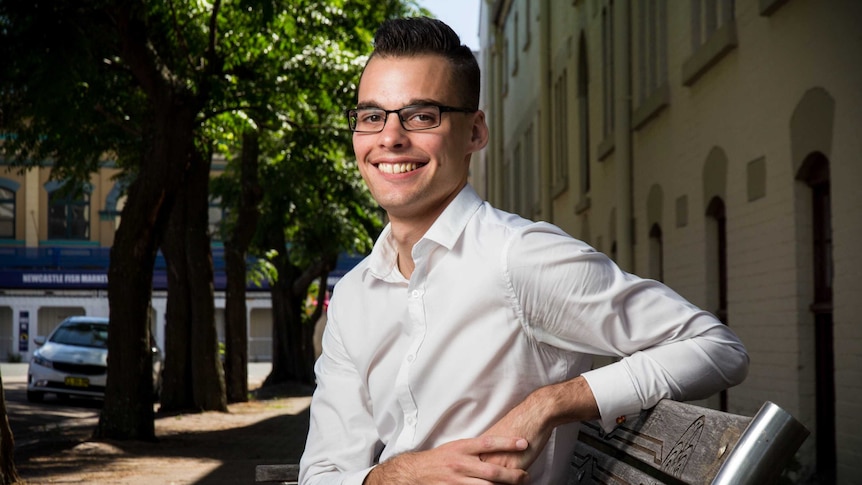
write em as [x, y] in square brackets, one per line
[82, 334]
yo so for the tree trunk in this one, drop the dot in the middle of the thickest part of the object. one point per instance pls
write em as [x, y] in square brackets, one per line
[236, 251]
[293, 333]
[283, 346]
[209, 386]
[194, 377]
[282, 307]
[293, 353]
[8, 471]
[128, 411]
[235, 326]
[177, 374]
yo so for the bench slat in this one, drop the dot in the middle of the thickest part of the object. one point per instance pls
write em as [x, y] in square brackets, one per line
[286, 474]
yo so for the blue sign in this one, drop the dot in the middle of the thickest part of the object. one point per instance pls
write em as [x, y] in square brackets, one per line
[23, 331]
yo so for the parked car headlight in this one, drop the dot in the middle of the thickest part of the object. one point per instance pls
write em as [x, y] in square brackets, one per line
[38, 359]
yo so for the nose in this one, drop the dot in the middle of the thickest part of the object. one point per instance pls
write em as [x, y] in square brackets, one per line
[393, 133]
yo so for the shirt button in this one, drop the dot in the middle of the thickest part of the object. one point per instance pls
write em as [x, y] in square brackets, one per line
[417, 293]
[410, 358]
[411, 421]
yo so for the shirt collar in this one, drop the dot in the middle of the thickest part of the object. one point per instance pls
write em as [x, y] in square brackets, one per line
[445, 231]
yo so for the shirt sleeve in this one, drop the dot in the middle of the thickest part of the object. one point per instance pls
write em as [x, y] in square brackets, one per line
[576, 299]
[342, 442]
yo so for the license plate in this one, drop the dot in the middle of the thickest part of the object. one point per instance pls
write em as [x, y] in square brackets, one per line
[77, 382]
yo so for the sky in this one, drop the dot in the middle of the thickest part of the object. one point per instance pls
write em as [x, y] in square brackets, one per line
[461, 15]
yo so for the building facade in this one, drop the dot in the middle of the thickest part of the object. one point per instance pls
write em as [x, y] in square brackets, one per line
[711, 144]
[54, 255]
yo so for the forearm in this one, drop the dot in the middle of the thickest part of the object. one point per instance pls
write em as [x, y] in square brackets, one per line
[393, 471]
[538, 414]
[565, 402]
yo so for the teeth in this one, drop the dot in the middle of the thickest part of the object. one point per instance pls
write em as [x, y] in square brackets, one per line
[397, 167]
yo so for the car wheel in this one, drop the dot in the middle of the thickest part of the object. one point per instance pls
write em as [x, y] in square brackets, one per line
[34, 396]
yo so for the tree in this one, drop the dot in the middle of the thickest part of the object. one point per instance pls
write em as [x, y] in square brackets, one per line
[97, 107]
[305, 226]
[145, 83]
[314, 204]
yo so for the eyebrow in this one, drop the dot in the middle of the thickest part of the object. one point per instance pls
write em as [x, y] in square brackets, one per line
[412, 102]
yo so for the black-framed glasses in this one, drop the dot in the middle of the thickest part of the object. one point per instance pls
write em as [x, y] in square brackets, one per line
[413, 118]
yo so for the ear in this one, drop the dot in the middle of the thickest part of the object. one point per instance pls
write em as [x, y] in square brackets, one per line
[479, 132]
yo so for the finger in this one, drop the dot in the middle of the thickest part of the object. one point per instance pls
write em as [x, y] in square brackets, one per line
[494, 444]
[509, 460]
[501, 475]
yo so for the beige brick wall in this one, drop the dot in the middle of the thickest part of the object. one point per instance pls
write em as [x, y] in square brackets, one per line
[753, 105]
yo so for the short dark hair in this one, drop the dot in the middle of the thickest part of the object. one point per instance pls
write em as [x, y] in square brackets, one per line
[414, 36]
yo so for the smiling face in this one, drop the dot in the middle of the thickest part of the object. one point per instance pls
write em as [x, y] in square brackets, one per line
[414, 175]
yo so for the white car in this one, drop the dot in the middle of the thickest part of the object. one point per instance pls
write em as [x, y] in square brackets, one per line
[73, 361]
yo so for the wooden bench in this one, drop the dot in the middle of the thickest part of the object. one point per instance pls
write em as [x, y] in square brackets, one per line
[673, 443]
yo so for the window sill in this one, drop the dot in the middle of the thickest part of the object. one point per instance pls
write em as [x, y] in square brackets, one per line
[582, 204]
[606, 147]
[651, 106]
[722, 41]
[768, 7]
[559, 188]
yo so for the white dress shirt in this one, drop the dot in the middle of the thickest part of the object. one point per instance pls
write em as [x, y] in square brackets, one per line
[496, 307]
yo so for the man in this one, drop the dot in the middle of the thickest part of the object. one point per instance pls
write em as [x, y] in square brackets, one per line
[459, 350]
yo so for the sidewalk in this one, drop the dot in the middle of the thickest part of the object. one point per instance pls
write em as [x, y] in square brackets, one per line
[206, 448]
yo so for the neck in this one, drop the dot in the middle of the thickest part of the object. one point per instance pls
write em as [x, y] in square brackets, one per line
[405, 237]
[408, 228]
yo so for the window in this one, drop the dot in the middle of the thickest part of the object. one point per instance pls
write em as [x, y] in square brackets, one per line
[608, 70]
[514, 44]
[506, 63]
[713, 35]
[508, 185]
[514, 180]
[584, 125]
[7, 213]
[69, 215]
[560, 167]
[531, 174]
[651, 47]
[83, 334]
[706, 18]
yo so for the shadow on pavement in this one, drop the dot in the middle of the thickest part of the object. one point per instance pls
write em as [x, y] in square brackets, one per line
[279, 439]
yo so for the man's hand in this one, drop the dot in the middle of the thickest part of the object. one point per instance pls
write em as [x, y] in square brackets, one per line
[456, 462]
[537, 416]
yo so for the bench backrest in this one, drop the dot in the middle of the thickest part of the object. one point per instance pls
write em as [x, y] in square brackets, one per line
[673, 443]
[679, 443]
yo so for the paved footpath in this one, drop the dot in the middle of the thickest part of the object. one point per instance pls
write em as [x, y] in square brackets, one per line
[203, 449]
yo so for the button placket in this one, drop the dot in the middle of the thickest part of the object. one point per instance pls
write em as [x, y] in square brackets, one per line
[410, 412]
